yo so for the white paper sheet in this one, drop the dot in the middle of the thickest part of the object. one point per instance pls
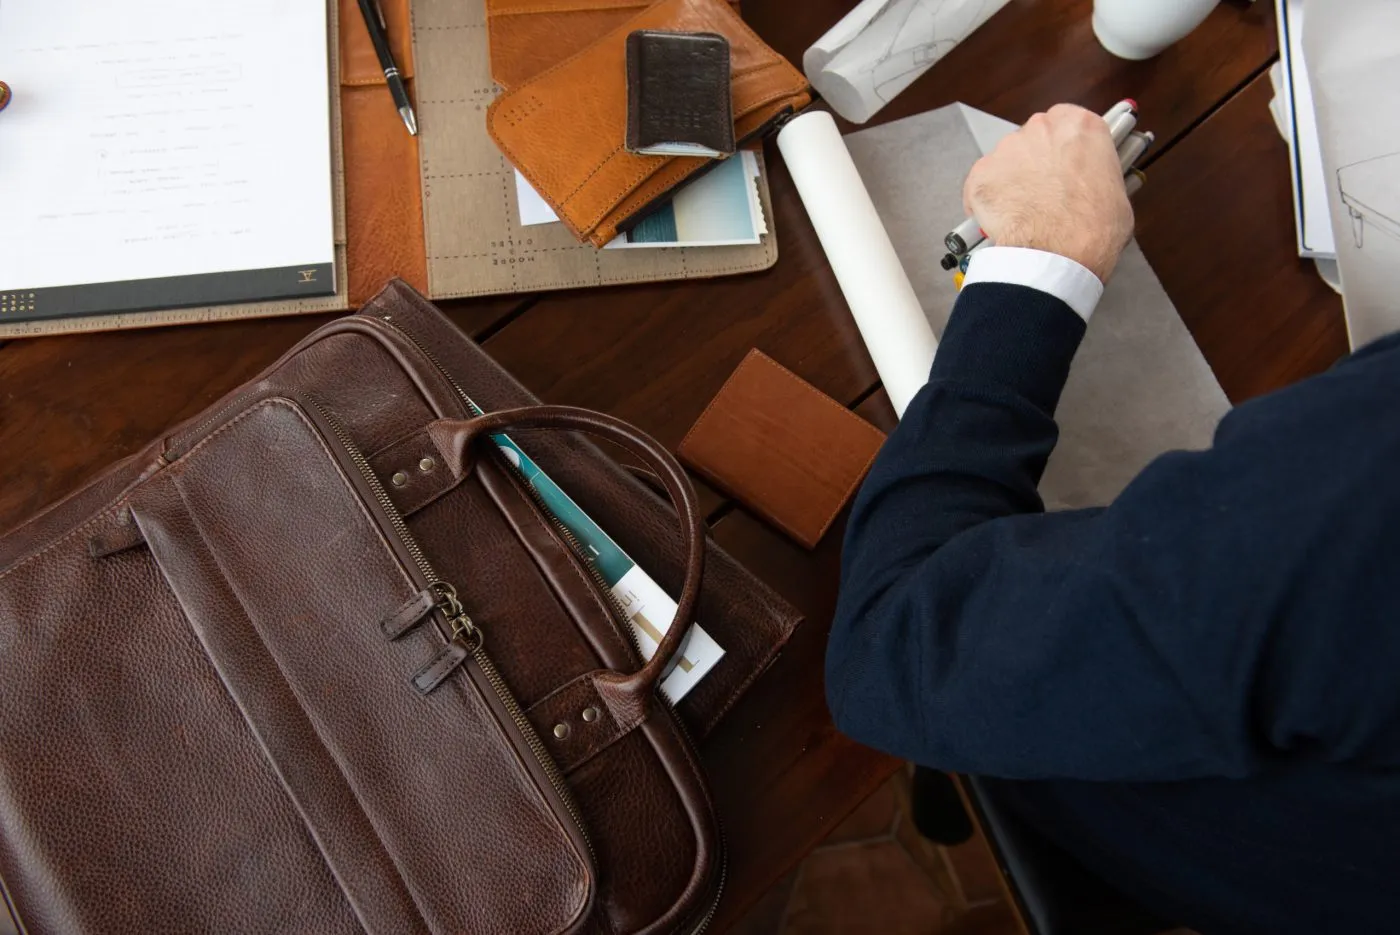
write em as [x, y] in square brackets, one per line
[880, 48]
[877, 290]
[720, 209]
[161, 138]
[533, 209]
[651, 611]
[1353, 58]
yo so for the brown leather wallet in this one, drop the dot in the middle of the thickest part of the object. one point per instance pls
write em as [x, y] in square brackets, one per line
[565, 129]
[678, 94]
[781, 447]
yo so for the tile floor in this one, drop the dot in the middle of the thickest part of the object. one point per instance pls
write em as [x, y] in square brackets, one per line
[874, 873]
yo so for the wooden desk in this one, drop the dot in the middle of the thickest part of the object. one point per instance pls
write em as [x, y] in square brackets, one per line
[1215, 221]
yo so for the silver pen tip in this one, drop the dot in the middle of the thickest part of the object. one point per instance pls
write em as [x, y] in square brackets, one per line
[409, 120]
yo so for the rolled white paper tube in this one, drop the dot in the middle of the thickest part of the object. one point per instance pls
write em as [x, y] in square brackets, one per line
[877, 290]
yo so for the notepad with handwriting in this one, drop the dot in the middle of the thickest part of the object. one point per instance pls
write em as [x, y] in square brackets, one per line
[164, 154]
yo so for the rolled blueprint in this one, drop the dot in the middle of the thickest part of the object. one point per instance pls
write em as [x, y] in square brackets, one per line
[882, 301]
[882, 46]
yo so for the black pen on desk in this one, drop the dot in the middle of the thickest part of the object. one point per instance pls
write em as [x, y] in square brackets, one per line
[378, 35]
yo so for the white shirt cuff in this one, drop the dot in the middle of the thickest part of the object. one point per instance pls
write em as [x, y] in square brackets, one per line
[1066, 280]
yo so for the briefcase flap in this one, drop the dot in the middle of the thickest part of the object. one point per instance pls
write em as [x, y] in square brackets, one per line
[429, 807]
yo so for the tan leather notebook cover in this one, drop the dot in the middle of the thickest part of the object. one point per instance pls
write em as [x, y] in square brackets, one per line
[529, 36]
[565, 129]
[475, 242]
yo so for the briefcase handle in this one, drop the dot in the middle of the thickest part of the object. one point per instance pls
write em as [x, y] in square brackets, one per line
[454, 437]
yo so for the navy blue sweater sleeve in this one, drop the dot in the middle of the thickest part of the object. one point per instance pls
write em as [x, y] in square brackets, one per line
[1216, 616]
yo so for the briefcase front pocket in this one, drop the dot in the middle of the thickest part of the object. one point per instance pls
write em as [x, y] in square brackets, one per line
[372, 698]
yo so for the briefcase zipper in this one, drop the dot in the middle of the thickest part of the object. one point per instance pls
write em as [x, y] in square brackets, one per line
[463, 626]
[619, 612]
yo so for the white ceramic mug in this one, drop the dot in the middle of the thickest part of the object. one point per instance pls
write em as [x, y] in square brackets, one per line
[1138, 29]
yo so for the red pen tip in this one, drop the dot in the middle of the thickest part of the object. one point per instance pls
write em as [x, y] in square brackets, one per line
[1131, 103]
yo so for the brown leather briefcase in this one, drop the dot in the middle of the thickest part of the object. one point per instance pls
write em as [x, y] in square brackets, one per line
[322, 660]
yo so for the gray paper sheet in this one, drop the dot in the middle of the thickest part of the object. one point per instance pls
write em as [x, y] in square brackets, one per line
[1139, 386]
[1352, 50]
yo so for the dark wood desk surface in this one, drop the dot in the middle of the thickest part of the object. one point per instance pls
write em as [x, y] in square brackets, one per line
[1215, 220]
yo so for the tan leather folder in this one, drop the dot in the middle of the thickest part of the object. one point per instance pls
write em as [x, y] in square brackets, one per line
[474, 242]
[438, 211]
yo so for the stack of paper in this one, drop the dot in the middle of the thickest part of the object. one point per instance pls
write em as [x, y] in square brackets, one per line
[719, 209]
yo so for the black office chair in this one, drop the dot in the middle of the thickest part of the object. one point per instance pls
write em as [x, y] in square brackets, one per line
[1055, 893]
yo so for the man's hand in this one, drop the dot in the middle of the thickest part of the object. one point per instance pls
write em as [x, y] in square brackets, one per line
[1055, 185]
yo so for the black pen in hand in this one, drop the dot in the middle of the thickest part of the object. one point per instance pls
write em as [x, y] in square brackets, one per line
[374, 22]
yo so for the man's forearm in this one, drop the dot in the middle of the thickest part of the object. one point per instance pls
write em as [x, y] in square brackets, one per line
[975, 635]
[973, 444]
[971, 448]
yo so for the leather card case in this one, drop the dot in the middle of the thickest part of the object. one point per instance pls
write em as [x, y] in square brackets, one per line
[399, 198]
[565, 129]
[678, 94]
[782, 448]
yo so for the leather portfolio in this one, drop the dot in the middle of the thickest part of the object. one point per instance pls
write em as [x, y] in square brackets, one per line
[565, 128]
[440, 210]
[782, 448]
[318, 660]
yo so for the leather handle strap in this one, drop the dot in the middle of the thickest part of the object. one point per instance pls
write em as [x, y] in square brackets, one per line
[454, 437]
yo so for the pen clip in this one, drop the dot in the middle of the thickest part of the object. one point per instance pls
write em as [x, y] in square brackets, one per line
[379, 12]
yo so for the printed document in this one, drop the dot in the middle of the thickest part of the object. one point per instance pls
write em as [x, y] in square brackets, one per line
[159, 139]
[1353, 49]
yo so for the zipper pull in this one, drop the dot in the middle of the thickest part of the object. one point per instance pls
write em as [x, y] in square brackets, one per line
[410, 614]
[463, 629]
[442, 665]
[437, 596]
[464, 642]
